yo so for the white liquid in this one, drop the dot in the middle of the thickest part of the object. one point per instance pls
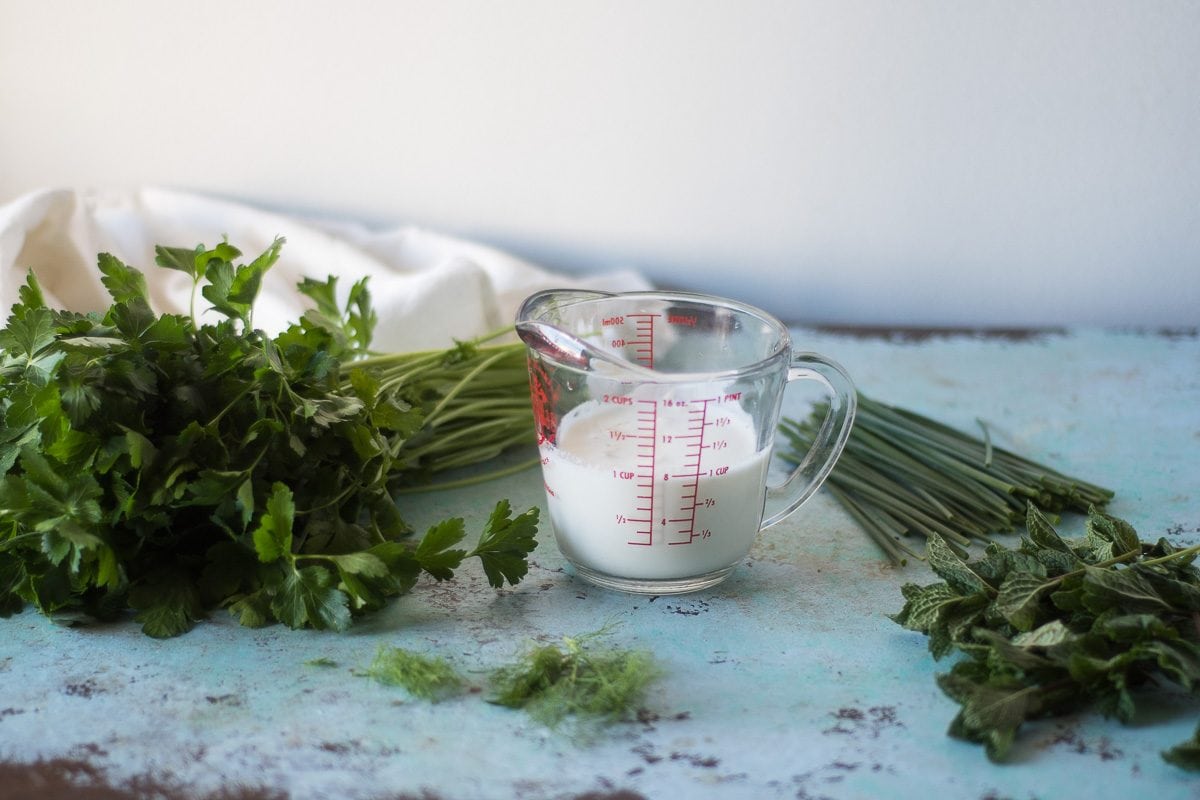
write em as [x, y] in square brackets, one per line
[655, 489]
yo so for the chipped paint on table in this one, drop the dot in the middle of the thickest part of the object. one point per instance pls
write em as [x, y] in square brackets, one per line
[787, 681]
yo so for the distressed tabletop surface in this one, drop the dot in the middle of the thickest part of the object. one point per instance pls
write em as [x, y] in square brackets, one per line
[786, 681]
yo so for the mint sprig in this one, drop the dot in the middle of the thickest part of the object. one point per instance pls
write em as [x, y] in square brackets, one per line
[1060, 625]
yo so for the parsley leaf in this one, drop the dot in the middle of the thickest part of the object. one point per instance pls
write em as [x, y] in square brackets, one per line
[167, 605]
[123, 282]
[434, 553]
[307, 597]
[273, 536]
[27, 342]
[506, 543]
[1186, 754]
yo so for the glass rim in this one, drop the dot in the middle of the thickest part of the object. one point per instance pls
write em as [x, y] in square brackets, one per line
[782, 348]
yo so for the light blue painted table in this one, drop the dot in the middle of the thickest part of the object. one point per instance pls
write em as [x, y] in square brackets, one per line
[787, 681]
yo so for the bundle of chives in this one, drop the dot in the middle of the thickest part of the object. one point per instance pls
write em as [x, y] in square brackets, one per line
[904, 474]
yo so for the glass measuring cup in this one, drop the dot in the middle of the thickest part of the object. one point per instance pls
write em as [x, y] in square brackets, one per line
[656, 413]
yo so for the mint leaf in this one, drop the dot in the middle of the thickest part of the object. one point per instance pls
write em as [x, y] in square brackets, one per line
[1182, 592]
[1127, 589]
[1019, 599]
[1122, 535]
[951, 568]
[1179, 659]
[1051, 634]
[1058, 635]
[1042, 532]
[991, 712]
[925, 605]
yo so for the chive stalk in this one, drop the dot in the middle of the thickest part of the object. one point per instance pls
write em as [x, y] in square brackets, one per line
[905, 475]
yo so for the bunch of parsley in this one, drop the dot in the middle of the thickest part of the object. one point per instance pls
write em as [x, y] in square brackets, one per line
[150, 462]
[1058, 625]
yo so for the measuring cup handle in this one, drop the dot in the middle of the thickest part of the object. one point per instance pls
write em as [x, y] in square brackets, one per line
[831, 438]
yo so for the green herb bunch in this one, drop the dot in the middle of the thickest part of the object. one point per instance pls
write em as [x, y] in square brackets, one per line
[903, 474]
[580, 681]
[155, 463]
[1057, 625]
[588, 683]
[431, 678]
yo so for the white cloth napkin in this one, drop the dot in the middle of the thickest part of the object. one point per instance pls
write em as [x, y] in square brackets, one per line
[427, 288]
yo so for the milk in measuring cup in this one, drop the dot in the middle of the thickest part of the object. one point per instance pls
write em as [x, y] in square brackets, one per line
[656, 488]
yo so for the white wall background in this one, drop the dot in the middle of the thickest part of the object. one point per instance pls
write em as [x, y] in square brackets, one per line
[949, 162]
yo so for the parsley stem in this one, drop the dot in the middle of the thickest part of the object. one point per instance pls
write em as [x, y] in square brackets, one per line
[389, 360]
[339, 497]
[231, 405]
[10, 540]
[474, 399]
[486, 407]
[192, 301]
[445, 440]
[450, 395]
[472, 480]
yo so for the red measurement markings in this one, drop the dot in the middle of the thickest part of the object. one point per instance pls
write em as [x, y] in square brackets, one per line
[643, 340]
[647, 443]
[686, 532]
